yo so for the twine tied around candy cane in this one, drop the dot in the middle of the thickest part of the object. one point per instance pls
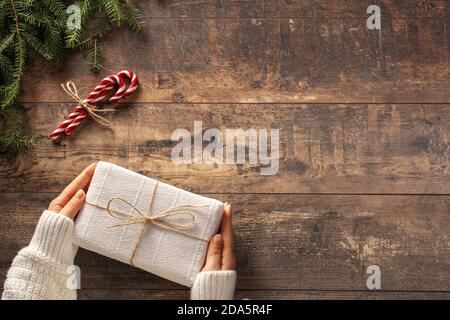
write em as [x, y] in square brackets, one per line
[113, 83]
[137, 217]
[71, 89]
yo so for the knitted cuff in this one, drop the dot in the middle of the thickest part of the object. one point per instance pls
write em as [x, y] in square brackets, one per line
[214, 285]
[53, 237]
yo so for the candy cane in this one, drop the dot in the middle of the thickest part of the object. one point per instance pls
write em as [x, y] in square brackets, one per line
[99, 92]
[104, 88]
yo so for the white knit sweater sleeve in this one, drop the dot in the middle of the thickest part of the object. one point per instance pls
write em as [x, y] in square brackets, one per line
[41, 270]
[214, 285]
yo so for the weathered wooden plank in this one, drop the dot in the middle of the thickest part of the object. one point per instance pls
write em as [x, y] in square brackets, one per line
[341, 56]
[290, 242]
[286, 60]
[264, 295]
[161, 294]
[270, 9]
[322, 149]
[210, 9]
[358, 8]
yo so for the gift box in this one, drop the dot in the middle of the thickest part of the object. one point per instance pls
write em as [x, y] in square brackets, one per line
[147, 223]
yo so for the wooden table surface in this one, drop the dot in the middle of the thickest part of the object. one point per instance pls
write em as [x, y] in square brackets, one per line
[364, 119]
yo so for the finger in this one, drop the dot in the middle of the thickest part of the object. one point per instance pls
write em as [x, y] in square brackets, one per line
[74, 205]
[81, 182]
[214, 255]
[226, 229]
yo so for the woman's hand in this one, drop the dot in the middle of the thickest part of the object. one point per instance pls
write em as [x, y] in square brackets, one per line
[220, 254]
[70, 201]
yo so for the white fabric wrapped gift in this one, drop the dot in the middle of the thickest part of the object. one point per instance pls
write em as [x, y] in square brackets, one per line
[173, 245]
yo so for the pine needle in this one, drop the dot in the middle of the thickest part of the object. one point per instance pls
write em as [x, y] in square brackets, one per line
[95, 56]
[134, 17]
[13, 137]
[113, 9]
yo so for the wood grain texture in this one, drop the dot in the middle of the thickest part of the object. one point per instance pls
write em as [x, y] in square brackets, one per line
[263, 295]
[210, 9]
[364, 119]
[272, 9]
[266, 61]
[323, 148]
[357, 8]
[290, 242]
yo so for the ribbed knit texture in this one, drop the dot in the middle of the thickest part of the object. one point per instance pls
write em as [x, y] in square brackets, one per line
[214, 285]
[40, 271]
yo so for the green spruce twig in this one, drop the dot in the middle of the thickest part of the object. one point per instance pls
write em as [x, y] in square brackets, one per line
[37, 28]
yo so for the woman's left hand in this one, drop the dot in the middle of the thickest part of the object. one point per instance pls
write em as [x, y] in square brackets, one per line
[220, 254]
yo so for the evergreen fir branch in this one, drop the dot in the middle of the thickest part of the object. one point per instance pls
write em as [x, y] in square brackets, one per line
[14, 12]
[55, 44]
[3, 6]
[11, 91]
[6, 42]
[42, 34]
[56, 7]
[113, 9]
[6, 69]
[100, 31]
[19, 58]
[38, 46]
[30, 28]
[32, 19]
[36, 19]
[95, 56]
[13, 137]
[28, 3]
[7, 9]
[134, 18]
[73, 36]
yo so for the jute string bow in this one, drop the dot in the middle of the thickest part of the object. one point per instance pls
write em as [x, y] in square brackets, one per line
[137, 217]
[71, 89]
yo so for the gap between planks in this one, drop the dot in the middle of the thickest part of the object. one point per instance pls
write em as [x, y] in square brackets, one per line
[279, 104]
[278, 193]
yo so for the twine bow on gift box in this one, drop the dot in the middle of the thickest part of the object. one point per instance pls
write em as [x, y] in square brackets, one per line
[137, 217]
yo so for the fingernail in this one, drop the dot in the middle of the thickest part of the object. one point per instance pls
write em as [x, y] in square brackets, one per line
[79, 194]
[218, 238]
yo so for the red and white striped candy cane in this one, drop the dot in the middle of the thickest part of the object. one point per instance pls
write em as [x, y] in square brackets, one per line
[134, 82]
[99, 92]
[104, 88]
